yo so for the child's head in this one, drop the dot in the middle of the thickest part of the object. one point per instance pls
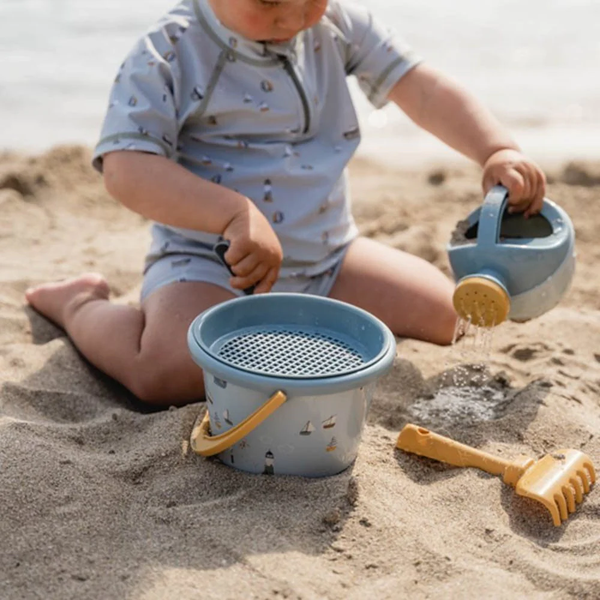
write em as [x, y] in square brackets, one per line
[268, 20]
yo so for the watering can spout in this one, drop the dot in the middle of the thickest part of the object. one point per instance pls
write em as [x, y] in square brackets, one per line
[481, 300]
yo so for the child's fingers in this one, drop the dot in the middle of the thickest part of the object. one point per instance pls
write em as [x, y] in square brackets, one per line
[515, 183]
[246, 265]
[267, 282]
[535, 207]
[488, 183]
[241, 283]
[529, 181]
[541, 185]
[538, 200]
[235, 254]
[535, 190]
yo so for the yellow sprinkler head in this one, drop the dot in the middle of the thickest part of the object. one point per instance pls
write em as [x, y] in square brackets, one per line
[481, 301]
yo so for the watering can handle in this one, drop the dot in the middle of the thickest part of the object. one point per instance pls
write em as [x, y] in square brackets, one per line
[206, 445]
[490, 216]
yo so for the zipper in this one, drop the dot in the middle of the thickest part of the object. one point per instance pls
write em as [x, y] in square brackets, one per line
[289, 68]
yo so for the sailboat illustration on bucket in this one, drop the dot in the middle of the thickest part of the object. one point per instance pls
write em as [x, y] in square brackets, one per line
[307, 429]
[329, 423]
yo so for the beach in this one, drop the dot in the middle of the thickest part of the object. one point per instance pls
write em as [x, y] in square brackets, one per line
[101, 497]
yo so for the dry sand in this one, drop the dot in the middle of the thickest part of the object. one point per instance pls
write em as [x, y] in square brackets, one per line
[98, 501]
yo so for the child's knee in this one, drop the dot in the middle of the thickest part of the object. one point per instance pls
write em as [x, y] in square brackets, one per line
[447, 320]
[165, 386]
[447, 329]
[440, 327]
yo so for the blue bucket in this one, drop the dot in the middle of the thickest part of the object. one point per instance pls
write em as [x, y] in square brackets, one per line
[289, 379]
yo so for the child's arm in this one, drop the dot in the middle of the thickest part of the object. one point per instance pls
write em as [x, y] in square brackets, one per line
[163, 191]
[439, 105]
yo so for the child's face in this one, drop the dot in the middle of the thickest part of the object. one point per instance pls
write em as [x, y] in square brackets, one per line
[268, 20]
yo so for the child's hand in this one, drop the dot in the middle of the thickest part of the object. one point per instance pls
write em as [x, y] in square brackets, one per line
[525, 181]
[255, 253]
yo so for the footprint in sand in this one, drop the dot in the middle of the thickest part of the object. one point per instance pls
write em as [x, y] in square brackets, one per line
[527, 352]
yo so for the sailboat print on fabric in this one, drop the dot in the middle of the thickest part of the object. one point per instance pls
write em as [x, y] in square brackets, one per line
[332, 445]
[197, 94]
[226, 417]
[352, 133]
[329, 423]
[268, 189]
[178, 34]
[307, 429]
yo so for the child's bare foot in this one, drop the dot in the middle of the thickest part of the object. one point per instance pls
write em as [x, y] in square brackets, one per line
[56, 301]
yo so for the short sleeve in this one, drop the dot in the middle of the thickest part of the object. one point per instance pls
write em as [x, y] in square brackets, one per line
[375, 54]
[143, 107]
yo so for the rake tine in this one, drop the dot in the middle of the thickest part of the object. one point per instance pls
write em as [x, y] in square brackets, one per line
[590, 469]
[553, 508]
[562, 506]
[584, 480]
[574, 481]
[570, 496]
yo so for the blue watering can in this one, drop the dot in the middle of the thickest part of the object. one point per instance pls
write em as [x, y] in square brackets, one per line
[510, 267]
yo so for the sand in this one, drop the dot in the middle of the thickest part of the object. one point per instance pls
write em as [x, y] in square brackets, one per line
[98, 500]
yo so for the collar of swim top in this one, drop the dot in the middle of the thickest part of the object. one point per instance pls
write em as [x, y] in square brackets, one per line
[239, 46]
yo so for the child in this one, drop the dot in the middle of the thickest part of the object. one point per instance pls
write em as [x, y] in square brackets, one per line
[232, 119]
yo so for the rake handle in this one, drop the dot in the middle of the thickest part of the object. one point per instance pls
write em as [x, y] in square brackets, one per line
[423, 442]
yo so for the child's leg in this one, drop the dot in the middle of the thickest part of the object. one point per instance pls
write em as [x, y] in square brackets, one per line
[144, 349]
[410, 295]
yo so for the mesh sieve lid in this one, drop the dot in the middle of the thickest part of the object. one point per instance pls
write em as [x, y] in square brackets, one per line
[297, 351]
[292, 339]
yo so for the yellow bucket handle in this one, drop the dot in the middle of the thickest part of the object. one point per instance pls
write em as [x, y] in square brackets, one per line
[206, 445]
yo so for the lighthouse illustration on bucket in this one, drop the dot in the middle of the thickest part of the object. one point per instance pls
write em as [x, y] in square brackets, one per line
[269, 464]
